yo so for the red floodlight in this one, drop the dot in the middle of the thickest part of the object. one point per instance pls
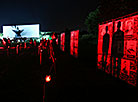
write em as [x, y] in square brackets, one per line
[48, 78]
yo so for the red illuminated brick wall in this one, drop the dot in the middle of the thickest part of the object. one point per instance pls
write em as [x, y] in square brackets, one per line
[129, 25]
[62, 42]
[74, 39]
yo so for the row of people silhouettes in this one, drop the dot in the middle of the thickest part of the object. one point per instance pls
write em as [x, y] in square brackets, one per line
[117, 49]
[6, 42]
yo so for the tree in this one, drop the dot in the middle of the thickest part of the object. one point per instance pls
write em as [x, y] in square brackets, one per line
[109, 9]
[92, 21]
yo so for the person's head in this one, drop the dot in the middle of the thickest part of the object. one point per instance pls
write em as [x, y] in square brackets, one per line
[106, 29]
[119, 25]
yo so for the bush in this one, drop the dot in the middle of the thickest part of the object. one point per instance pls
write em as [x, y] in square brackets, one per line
[88, 39]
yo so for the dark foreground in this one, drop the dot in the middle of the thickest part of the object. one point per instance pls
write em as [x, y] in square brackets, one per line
[22, 80]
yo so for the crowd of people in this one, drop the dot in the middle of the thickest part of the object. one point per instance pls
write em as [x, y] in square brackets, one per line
[32, 44]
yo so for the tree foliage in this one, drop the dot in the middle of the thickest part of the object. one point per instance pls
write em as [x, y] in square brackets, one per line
[92, 21]
[107, 10]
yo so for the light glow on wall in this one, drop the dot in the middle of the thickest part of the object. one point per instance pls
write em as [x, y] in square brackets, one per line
[128, 72]
[62, 42]
[74, 40]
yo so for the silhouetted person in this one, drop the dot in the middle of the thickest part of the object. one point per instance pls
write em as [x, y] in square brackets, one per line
[117, 49]
[9, 42]
[44, 41]
[31, 41]
[4, 42]
[48, 43]
[34, 43]
[18, 32]
[106, 39]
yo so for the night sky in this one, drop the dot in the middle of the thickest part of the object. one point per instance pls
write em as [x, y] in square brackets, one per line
[52, 15]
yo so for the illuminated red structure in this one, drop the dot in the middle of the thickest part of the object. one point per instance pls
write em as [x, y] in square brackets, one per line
[74, 40]
[129, 25]
[62, 41]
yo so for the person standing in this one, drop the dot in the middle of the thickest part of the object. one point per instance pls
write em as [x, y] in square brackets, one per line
[105, 48]
[117, 51]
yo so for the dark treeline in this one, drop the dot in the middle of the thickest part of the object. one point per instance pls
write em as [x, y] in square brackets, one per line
[107, 10]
